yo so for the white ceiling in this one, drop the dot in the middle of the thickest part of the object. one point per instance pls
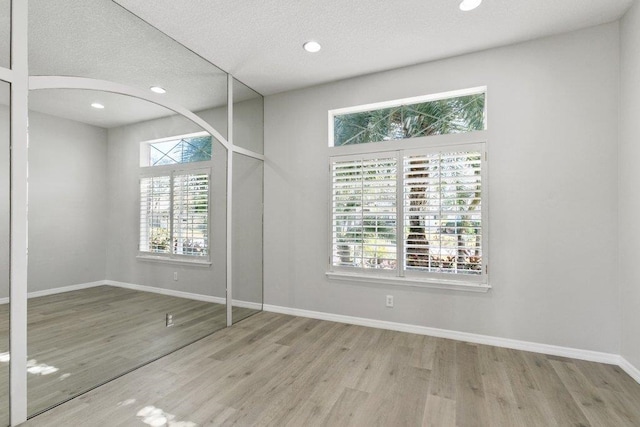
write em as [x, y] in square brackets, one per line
[260, 41]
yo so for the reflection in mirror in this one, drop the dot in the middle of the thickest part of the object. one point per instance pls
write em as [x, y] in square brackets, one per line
[248, 118]
[4, 253]
[110, 43]
[247, 236]
[127, 240]
[5, 33]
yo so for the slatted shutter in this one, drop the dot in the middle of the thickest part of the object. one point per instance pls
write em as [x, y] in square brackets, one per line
[364, 218]
[443, 212]
[191, 213]
[155, 214]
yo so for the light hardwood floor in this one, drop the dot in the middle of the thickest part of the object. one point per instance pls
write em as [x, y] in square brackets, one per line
[278, 370]
[92, 335]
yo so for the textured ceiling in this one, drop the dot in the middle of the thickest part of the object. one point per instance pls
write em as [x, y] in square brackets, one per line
[260, 41]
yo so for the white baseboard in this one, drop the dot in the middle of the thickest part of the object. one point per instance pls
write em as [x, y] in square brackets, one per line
[168, 292]
[65, 289]
[143, 288]
[59, 290]
[592, 356]
[182, 294]
[629, 369]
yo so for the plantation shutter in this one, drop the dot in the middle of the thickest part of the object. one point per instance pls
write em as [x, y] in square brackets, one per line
[364, 222]
[442, 207]
[155, 214]
[191, 213]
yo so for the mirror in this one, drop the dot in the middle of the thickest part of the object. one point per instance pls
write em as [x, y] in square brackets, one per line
[248, 175]
[5, 33]
[127, 200]
[247, 236]
[4, 252]
[248, 118]
[118, 211]
[109, 43]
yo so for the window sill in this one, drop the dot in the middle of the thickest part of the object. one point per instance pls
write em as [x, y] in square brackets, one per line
[410, 281]
[195, 263]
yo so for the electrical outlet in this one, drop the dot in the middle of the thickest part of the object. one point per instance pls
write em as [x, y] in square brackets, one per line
[175, 275]
[169, 320]
[389, 301]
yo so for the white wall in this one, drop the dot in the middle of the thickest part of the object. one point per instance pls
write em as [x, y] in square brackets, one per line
[67, 202]
[629, 178]
[553, 114]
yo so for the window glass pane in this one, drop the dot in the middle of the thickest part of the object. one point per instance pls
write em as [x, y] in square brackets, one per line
[445, 116]
[364, 213]
[442, 212]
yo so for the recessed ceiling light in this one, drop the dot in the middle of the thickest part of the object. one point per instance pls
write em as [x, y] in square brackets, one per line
[97, 105]
[312, 46]
[468, 5]
[157, 89]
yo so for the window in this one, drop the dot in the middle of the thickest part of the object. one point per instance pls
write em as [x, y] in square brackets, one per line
[415, 213]
[451, 113]
[174, 197]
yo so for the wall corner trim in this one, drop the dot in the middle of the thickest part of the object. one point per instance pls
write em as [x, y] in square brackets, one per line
[589, 355]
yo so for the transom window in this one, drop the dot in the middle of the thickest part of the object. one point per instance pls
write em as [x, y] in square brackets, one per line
[416, 212]
[455, 112]
[175, 196]
[173, 151]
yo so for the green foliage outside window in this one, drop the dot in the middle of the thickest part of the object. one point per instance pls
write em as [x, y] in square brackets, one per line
[445, 116]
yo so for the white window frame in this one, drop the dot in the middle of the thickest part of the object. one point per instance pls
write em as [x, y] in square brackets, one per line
[476, 141]
[171, 170]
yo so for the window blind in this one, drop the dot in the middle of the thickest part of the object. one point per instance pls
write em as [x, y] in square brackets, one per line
[155, 214]
[418, 213]
[364, 223]
[443, 212]
[190, 214]
[174, 213]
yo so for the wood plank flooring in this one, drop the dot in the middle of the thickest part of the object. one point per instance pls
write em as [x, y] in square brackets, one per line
[277, 370]
[80, 339]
